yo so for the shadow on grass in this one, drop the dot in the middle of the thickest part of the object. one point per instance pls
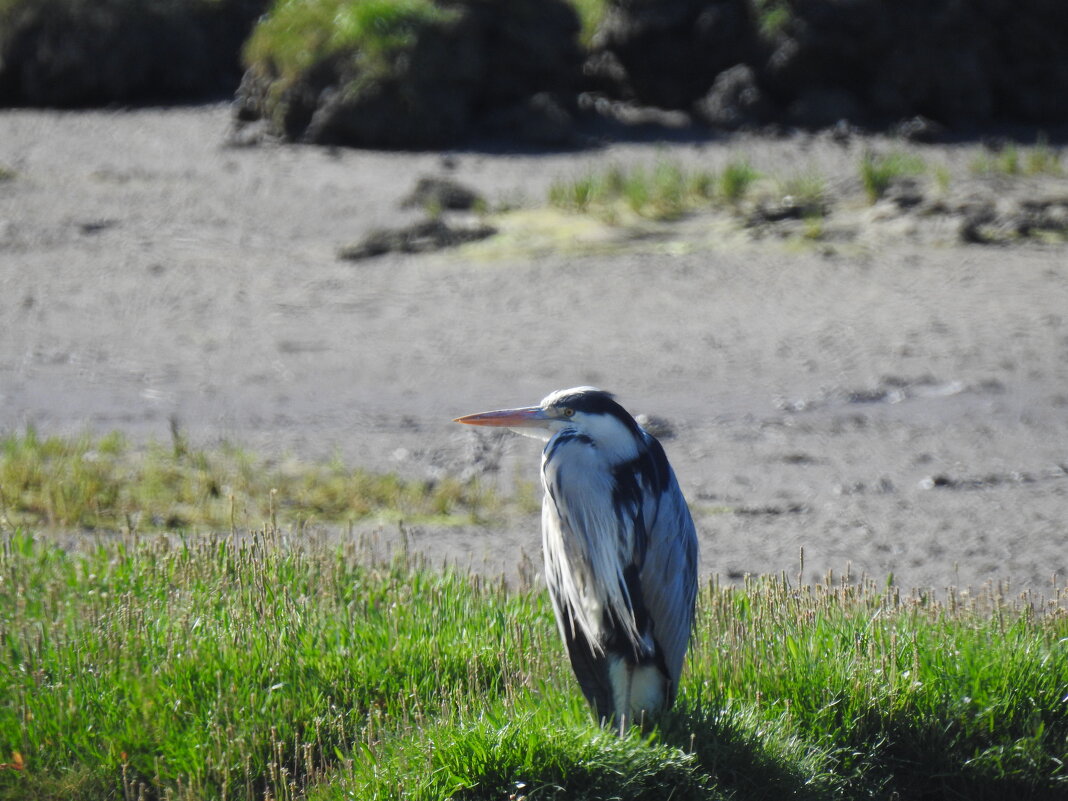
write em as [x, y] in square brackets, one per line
[940, 758]
[751, 758]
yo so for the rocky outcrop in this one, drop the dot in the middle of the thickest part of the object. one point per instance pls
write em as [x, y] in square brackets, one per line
[811, 63]
[497, 63]
[95, 52]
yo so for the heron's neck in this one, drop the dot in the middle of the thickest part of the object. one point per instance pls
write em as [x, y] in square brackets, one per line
[609, 435]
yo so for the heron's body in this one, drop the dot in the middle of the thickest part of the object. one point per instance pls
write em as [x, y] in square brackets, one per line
[620, 550]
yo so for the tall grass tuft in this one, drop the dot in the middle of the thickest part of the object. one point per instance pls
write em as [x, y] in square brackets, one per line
[1013, 161]
[878, 172]
[664, 191]
[735, 181]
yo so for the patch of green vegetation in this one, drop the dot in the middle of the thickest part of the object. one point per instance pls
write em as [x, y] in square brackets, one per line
[297, 35]
[7, 174]
[942, 177]
[879, 171]
[808, 190]
[663, 192]
[235, 667]
[103, 483]
[772, 16]
[253, 666]
[1012, 161]
[590, 13]
[736, 180]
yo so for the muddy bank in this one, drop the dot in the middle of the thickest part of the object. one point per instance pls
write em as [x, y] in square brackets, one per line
[898, 408]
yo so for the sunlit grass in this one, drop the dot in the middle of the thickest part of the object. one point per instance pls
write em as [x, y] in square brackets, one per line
[665, 190]
[773, 16]
[105, 483]
[735, 180]
[253, 666]
[1012, 161]
[807, 190]
[297, 35]
[590, 13]
[879, 171]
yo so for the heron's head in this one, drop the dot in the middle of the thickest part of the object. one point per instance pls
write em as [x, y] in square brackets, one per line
[583, 410]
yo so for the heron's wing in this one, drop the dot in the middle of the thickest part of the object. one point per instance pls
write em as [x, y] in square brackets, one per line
[592, 537]
[669, 572]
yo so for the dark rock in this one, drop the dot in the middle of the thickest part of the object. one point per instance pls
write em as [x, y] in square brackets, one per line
[735, 101]
[420, 237]
[531, 46]
[977, 214]
[1042, 215]
[785, 208]
[424, 101]
[634, 115]
[950, 62]
[494, 55]
[822, 107]
[442, 194]
[670, 51]
[940, 73]
[920, 129]
[538, 120]
[121, 51]
[905, 192]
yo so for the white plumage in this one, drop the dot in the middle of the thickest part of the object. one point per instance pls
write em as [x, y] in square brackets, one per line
[620, 550]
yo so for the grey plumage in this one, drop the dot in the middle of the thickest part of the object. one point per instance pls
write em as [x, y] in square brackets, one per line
[620, 550]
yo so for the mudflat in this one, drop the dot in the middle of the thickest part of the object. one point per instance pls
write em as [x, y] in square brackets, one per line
[895, 405]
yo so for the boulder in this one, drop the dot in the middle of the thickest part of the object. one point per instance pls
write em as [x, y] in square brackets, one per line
[735, 101]
[488, 57]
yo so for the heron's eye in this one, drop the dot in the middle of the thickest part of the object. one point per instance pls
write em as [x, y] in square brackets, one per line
[569, 412]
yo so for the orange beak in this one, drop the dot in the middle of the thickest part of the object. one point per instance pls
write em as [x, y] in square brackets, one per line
[533, 416]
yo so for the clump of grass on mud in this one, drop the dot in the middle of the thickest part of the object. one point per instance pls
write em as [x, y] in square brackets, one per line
[736, 180]
[879, 171]
[1013, 161]
[265, 666]
[664, 191]
[104, 483]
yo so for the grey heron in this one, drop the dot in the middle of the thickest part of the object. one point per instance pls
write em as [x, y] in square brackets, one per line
[620, 550]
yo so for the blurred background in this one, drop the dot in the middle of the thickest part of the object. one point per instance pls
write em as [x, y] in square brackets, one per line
[820, 244]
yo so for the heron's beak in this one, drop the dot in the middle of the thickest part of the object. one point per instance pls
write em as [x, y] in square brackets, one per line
[530, 416]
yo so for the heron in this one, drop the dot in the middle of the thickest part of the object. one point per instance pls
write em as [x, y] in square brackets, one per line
[620, 550]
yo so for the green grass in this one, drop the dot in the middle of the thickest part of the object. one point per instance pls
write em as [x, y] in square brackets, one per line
[1012, 161]
[736, 180]
[273, 666]
[590, 13]
[664, 191]
[809, 191]
[772, 16]
[298, 35]
[104, 483]
[879, 171]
